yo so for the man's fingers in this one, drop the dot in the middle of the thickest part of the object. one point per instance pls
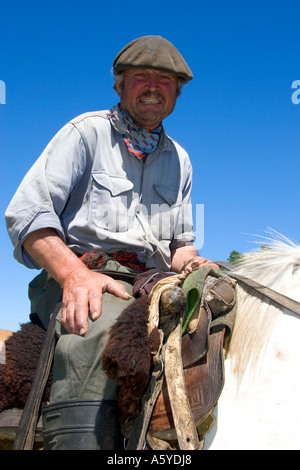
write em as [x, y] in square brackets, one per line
[199, 262]
[95, 305]
[67, 317]
[83, 297]
[75, 314]
[115, 288]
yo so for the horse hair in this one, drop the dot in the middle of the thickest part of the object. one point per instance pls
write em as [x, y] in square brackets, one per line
[273, 265]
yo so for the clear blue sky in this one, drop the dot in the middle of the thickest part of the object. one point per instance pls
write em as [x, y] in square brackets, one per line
[236, 118]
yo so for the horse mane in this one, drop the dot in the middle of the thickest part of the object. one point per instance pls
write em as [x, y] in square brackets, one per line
[274, 265]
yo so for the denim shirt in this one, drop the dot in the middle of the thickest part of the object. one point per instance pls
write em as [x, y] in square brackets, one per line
[98, 196]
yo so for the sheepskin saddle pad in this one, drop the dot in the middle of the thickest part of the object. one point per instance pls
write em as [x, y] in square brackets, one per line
[203, 302]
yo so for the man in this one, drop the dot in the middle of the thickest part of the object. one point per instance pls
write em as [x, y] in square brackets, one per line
[111, 181]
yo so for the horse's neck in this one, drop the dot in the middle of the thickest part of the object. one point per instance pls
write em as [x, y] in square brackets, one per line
[279, 353]
[281, 356]
[256, 319]
[262, 412]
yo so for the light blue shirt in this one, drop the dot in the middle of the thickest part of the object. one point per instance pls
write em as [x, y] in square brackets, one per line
[98, 196]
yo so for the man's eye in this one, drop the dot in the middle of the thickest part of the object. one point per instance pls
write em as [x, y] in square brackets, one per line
[141, 76]
[164, 78]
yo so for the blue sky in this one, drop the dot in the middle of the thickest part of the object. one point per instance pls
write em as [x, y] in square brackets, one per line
[236, 118]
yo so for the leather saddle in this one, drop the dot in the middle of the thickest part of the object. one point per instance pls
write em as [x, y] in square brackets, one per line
[211, 302]
[202, 358]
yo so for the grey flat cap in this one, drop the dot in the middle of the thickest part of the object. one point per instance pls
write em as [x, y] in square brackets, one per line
[152, 52]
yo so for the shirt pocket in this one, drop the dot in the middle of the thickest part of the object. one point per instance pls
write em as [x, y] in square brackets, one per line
[164, 211]
[166, 195]
[111, 198]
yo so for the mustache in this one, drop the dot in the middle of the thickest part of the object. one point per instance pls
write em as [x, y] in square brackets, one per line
[151, 94]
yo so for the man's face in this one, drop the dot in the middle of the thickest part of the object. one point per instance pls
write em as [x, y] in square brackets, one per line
[148, 95]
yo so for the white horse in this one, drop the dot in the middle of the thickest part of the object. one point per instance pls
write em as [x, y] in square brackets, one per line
[259, 408]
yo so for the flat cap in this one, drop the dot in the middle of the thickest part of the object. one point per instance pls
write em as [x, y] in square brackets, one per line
[152, 52]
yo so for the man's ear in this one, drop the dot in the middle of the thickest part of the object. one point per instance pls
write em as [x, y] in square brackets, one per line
[118, 90]
[119, 85]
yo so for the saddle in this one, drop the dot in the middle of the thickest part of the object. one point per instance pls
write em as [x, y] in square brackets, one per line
[184, 327]
[189, 323]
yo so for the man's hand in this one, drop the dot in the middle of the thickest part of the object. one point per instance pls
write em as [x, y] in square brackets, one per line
[186, 259]
[196, 263]
[82, 295]
[82, 288]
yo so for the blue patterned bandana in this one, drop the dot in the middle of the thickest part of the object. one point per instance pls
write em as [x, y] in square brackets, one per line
[139, 141]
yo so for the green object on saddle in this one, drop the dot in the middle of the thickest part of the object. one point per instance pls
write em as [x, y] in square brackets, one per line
[193, 287]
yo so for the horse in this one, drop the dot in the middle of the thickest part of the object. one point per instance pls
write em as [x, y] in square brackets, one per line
[258, 408]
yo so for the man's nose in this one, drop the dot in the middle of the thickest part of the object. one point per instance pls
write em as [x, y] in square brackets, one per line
[153, 83]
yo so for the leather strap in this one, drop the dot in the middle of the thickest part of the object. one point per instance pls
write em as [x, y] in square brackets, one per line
[280, 299]
[186, 431]
[185, 427]
[141, 422]
[25, 434]
[204, 382]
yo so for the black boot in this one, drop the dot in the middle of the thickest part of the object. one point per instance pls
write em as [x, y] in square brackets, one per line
[81, 425]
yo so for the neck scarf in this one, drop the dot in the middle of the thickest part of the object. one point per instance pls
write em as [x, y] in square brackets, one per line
[139, 141]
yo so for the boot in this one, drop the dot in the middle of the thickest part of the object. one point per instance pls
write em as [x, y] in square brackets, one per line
[81, 425]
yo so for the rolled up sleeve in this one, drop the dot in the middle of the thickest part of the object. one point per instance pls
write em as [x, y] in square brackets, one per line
[44, 191]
